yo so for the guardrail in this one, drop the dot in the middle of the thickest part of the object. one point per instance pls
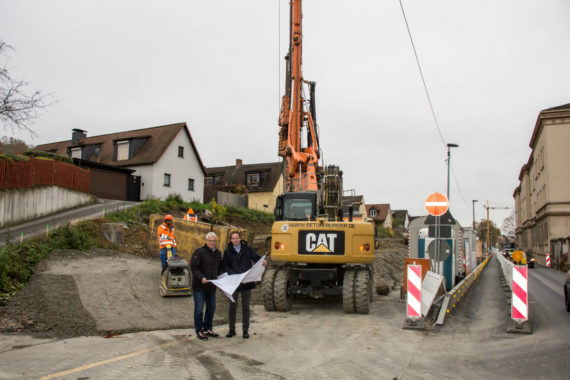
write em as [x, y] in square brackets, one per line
[507, 269]
[455, 294]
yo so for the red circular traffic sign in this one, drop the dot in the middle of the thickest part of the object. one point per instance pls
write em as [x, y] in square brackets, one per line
[436, 204]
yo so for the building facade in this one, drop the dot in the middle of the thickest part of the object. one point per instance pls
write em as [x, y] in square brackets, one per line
[542, 199]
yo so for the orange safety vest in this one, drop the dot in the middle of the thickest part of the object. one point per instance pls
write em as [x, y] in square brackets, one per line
[166, 236]
[190, 216]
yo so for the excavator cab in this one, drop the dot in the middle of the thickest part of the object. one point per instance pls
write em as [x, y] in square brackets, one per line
[296, 206]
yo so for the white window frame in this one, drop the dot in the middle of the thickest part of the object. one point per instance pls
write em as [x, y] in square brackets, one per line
[76, 153]
[121, 146]
[373, 213]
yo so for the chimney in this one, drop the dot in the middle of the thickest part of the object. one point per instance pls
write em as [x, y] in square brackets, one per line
[77, 134]
[238, 163]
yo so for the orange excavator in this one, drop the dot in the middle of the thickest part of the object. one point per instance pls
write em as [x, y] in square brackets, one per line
[314, 251]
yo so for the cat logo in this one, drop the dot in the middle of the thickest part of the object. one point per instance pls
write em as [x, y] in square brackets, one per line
[321, 242]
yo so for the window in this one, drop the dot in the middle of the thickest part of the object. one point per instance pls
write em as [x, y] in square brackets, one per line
[253, 179]
[191, 184]
[180, 151]
[122, 150]
[166, 180]
[76, 153]
[373, 213]
[214, 179]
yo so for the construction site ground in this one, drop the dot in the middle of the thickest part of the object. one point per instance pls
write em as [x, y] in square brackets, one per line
[103, 291]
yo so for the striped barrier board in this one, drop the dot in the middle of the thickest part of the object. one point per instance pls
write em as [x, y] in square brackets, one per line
[519, 309]
[548, 260]
[414, 292]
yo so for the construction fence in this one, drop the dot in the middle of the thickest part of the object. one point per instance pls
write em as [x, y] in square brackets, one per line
[42, 172]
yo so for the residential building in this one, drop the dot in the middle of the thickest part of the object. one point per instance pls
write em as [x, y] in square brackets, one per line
[542, 198]
[401, 215]
[358, 207]
[261, 183]
[165, 159]
[380, 214]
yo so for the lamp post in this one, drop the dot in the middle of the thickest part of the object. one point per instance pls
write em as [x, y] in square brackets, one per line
[474, 200]
[449, 145]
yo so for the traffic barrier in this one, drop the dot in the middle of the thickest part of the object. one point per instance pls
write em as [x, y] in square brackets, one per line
[453, 297]
[519, 304]
[414, 319]
[516, 281]
[548, 260]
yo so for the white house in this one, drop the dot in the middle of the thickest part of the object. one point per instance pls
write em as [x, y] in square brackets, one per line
[165, 158]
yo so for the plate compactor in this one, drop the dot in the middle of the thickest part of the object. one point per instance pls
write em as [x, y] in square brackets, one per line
[175, 278]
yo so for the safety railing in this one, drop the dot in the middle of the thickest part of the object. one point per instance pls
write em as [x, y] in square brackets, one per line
[454, 295]
[507, 269]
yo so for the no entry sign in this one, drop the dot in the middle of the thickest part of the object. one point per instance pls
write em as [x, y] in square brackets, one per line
[436, 204]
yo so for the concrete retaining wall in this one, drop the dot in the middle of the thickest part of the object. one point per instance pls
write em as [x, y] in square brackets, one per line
[24, 204]
[189, 236]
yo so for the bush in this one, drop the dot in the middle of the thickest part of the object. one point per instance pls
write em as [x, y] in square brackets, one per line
[17, 261]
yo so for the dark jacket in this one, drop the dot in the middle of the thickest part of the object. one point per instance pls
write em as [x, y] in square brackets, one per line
[236, 263]
[205, 263]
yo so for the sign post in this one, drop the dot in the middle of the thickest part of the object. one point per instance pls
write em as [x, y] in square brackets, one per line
[437, 204]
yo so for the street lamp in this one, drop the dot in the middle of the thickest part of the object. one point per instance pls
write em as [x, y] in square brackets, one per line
[449, 145]
[474, 200]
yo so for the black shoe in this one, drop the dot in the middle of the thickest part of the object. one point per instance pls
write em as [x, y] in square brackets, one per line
[230, 334]
[201, 335]
[209, 332]
[245, 335]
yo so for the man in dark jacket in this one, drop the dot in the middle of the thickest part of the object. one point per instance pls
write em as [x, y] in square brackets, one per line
[238, 258]
[205, 264]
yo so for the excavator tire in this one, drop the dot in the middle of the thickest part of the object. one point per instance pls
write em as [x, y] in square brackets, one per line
[267, 289]
[348, 291]
[283, 301]
[362, 292]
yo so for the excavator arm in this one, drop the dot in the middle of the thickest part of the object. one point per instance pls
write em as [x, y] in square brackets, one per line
[298, 116]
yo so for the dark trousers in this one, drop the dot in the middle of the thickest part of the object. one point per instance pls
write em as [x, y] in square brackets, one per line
[202, 320]
[245, 299]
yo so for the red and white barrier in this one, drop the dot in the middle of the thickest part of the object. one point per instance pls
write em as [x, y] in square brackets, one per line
[414, 296]
[519, 309]
[548, 260]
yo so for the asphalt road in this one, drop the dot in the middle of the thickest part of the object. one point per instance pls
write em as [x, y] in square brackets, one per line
[47, 223]
[317, 341]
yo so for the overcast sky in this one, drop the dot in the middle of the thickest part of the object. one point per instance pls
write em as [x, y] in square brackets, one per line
[490, 67]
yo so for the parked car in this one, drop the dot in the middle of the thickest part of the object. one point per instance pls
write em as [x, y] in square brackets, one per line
[567, 292]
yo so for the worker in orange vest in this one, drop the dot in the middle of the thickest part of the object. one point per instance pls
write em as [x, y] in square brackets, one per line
[190, 216]
[166, 241]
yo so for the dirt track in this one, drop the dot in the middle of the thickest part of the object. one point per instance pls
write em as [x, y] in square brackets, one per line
[100, 292]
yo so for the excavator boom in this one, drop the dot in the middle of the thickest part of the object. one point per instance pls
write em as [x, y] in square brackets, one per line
[297, 115]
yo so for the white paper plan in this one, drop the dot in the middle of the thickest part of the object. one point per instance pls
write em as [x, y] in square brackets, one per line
[229, 283]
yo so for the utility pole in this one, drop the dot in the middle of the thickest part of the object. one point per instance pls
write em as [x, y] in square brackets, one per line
[474, 200]
[449, 145]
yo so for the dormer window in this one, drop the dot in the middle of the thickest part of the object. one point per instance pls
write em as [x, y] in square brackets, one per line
[253, 179]
[122, 150]
[373, 213]
[76, 153]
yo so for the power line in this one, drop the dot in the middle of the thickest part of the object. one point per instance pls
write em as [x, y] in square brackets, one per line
[422, 74]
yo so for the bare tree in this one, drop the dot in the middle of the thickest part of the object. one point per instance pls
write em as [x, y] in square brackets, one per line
[508, 227]
[18, 107]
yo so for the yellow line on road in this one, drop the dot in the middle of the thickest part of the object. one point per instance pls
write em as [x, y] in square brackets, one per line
[123, 357]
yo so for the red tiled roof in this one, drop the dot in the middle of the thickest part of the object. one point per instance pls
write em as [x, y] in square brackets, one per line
[381, 211]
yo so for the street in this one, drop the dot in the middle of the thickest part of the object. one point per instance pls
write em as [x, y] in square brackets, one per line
[50, 222]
